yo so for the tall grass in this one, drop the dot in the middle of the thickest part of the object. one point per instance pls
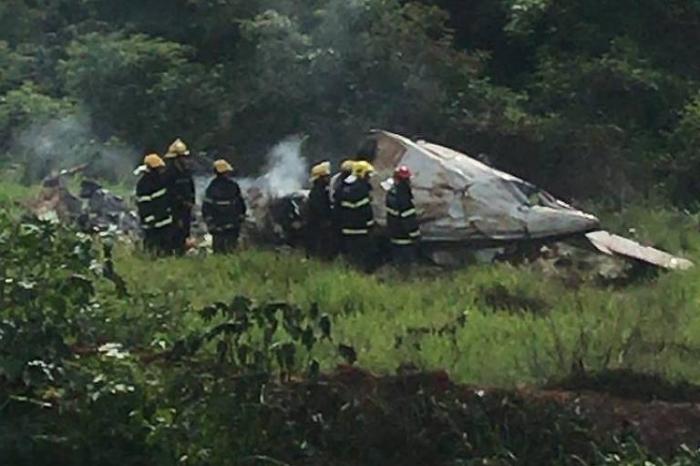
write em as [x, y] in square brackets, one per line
[445, 320]
[456, 320]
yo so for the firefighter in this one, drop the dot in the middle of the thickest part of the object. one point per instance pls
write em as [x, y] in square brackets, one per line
[356, 216]
[337, 180]
[402, 221]
[182, 192]
[346, 168]
[224, 208]
[320, 233]
[154, 206]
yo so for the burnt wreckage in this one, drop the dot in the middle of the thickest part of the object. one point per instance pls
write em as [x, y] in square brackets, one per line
[465, 208]
[464, 204]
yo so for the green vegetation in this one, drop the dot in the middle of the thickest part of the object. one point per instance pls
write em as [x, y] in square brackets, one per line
[495, 325]
[178, 366]
[234, 361]
[580, 99]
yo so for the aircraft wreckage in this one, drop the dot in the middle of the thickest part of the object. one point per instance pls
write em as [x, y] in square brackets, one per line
[464, 200]
[464, 206]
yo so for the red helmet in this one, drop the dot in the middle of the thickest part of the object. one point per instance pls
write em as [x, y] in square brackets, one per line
[403, 173]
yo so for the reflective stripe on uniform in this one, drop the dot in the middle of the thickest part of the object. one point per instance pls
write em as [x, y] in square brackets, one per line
[150, 218]
[401, 242]
[414, 234]
[356, 205]
[408, 213]
[370, 223]
[222, 228]
[355, 232]
[152, 197]
[219, 203]
[392, 212]
[163, 223]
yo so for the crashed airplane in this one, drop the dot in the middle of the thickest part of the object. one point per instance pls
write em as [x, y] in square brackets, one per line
[464, 204]
[461, 199]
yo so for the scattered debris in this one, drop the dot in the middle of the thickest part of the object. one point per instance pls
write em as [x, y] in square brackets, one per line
[469, 212]
[103, 211]
[614, 245]
[55, 203]
[95, 210]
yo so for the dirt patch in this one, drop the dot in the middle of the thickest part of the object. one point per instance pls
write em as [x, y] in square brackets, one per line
[500, 298]
[425, 418]
[631, 385]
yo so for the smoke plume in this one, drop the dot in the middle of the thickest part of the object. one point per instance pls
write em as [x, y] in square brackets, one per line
[67, 142]
[286, 170]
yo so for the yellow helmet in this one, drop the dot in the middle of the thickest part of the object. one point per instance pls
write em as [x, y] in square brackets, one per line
[347, 166]
[362, 168]
[153, 161]
[177, 149]
[320, 170]
[221, 166]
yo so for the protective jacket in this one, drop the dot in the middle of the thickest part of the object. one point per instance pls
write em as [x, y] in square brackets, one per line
[153, 201]
[336, 185]
[402, 221]
[356, 216]
[223, 207]
[319, 205]
[181, 187]
[321, 236]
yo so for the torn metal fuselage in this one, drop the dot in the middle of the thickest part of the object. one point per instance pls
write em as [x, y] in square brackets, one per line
[463, 202]
[461, 199]
[465, 205]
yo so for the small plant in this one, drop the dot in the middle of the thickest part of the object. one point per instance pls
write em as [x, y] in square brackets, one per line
[253, 338]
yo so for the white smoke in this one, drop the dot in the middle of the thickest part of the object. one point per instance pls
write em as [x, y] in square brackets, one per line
[286, 171]
[67, 142]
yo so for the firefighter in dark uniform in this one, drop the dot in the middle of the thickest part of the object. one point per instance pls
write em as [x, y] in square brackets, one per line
[154, 206]
[320, 233]
[337, 180]
[224, 208]
[356, 216]
[336, 183]
[402, 220]
[182, 193]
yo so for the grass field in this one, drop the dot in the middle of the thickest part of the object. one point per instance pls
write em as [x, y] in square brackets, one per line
[490, 324]
[165, 378]
[498, 325]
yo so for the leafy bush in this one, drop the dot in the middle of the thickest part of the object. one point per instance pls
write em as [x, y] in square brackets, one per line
[89, 375]
[26, 105]
[142, 89]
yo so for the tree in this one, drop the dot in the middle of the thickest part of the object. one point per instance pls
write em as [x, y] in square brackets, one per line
[144, 90]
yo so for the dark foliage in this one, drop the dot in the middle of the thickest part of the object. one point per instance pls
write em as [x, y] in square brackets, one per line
[588, 100]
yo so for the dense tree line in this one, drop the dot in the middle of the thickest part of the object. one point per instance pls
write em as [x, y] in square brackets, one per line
[594, 99]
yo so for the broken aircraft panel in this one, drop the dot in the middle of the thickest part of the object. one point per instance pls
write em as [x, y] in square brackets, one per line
[461, 199]
[614, 245]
